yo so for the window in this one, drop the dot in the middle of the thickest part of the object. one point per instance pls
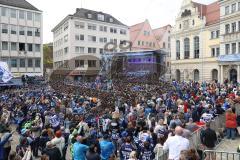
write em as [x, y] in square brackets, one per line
[103, 28]
[142, 43]
[196, 47]
[66, 50]
[193, 22]
[22, 63]
[113, 30]
[29, 16]
[79, 63]
[13, 46]
[37, 63]
[13, 13]
[186, 48]
[227, 48]
[92, 50]
[37, 17]
[30, 31]
[4, 45]
[21, 14]
[226, 10]
[79, 49]
[30, 62]
[21, 31]
[122, 31]
[234, 27]
[238, 47]
[77, 37]
[139, 43]
[238, 26]
[218, 51]
[89, 15]
[180, 26]
[103, 40]
[21, 46]
[217, 33]
[100, 17]
[234, 8]
[238, 6]
[81, 37]
[79, 25]
[227, 28]
[177, 49]
[37, 32]
[92, 38]
[164, 45]
[37, 47]
[4, 28]
[66, 38]
[212, 34]
[234, 48]
[14, 63]
[146, 33]
[111, 20]
[65, 26]
[91, 63]
[92, 27]
[4, 11]
[213, 52]
[101, 51]
[13, 29]
[30, 47]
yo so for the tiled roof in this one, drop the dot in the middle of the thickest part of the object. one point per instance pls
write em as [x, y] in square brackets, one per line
[83, 13]
[135, 30]
[19, 3]
[159, 32]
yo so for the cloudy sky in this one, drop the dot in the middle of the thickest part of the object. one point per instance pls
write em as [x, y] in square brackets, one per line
[129, 12]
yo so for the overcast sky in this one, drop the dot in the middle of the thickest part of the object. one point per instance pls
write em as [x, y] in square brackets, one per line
[129, 12]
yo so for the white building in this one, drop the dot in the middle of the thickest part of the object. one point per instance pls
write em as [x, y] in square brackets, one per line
[21, 37]
[229, 61]
[79, 41]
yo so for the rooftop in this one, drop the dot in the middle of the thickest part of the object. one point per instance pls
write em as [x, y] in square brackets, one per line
[19, 4]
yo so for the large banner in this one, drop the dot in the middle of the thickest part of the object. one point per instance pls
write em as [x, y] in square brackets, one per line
[5, 74]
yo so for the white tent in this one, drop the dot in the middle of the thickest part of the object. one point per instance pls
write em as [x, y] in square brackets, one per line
[5, 74]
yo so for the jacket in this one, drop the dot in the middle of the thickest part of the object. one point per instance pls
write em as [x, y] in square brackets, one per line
[59, 143]
[2, 143]
[53, 153]
[231, 120]
[107, 149]
[79, 151]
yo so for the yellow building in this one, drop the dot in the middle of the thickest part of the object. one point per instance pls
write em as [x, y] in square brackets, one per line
[195, 43]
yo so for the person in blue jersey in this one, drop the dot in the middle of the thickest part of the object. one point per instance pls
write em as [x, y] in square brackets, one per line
[126, 149]
[79, 149]
[146, 152]
[107, 148]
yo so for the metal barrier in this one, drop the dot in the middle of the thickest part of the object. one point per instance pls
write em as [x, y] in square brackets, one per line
[219, 155]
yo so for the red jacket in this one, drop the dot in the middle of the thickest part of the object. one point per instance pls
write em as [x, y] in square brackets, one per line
[231, 120]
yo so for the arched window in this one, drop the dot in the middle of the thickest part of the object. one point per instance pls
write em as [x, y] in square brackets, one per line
[196, 47]
[177, 49]
[196, 75]
[186, 48]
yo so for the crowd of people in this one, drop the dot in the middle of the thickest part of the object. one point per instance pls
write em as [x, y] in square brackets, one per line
[137, 119]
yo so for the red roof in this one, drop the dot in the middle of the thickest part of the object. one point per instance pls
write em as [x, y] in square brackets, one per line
[159, 32]
[134, 31]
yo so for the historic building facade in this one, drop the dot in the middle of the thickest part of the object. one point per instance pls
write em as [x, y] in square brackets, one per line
[195, 42]
[229, 60]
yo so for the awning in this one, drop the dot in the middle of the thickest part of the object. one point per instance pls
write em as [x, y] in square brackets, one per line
[229, 58]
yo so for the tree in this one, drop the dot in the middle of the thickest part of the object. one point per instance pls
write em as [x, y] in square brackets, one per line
[48, 56]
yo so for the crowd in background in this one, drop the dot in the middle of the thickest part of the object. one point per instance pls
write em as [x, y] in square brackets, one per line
[136, 118]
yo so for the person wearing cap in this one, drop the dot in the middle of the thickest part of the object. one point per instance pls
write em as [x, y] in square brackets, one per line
[59, 141]
[79, 149]
[107, 148]
[52, 151]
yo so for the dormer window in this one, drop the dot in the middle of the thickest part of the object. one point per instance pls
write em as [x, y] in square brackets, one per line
[111, 20]
[89, 15]
[100, 17]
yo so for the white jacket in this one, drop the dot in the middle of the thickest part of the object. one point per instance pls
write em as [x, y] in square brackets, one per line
[59, 143]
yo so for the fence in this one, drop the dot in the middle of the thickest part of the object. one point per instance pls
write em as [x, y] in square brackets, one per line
[219, 155]
[217, 124]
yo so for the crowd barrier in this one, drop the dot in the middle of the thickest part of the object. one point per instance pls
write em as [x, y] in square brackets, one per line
[219, 155]
[217, 124]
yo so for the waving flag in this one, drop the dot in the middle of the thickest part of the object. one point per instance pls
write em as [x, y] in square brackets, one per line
[5, 74]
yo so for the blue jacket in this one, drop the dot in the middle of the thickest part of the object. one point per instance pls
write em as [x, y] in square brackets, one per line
[1, 146]
[107, 149]
[79, 151]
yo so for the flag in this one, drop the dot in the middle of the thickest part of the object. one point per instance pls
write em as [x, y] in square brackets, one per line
[5, 74]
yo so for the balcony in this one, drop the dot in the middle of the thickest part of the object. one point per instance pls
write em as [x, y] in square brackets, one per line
[232, 36]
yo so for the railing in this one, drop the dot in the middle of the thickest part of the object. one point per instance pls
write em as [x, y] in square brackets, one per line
[219, 155]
